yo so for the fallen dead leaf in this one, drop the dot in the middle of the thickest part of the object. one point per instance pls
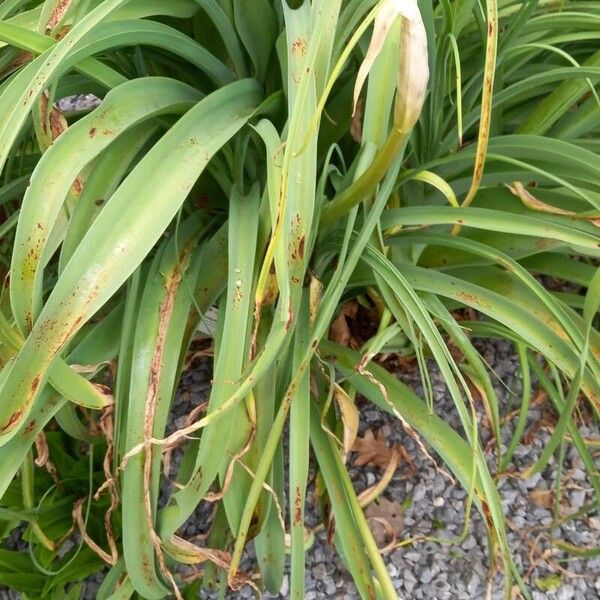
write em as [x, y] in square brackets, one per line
[340, 332]
[543, 498]
[386, 520]
[372, 449]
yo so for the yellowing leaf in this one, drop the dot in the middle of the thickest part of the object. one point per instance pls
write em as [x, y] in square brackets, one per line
[350, 417]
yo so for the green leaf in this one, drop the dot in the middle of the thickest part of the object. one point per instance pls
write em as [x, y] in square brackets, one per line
[85, 285]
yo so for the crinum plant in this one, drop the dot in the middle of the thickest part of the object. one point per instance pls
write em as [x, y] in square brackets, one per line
[274, 161]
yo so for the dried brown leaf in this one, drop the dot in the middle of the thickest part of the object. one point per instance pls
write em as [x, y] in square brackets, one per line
[340, 332]
[543, 498]
[386, 519]
[530, 201]
[372, 449]
[43, 456]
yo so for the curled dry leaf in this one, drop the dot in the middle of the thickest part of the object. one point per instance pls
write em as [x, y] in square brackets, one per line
[530, 201]
[372, 493]
[87, 369]
[110, 482]
[43, 456]
[386, 519]
[372, 449]
[78, 518]
[413, 72]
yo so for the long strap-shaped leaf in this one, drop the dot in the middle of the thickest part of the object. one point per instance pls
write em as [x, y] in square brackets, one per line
[139, 9]
[18, 98]
[493, 220]
[295, 206]
[97, 346]
[486, 99]
[347, 513]
[157, 345]
[522, 312]
[122, 235]
[115, 34]
[124, 107]
[37, 43]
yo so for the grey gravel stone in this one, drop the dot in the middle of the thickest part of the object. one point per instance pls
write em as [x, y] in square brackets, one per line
[577, 498]
[80, 103]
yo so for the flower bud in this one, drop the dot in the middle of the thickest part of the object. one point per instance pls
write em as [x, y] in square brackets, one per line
[413, 71]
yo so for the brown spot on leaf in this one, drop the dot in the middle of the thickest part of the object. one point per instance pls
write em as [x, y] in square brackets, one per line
[57, 14]
[60, 33]
[301, 247]
[21, 59]
[77, 186]
[299, 46]
[92, 132]
[297, 506]
[58, 123]
[30, 427]
[14, 418]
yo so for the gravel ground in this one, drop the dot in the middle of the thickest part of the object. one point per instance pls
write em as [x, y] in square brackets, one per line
[436, 507]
